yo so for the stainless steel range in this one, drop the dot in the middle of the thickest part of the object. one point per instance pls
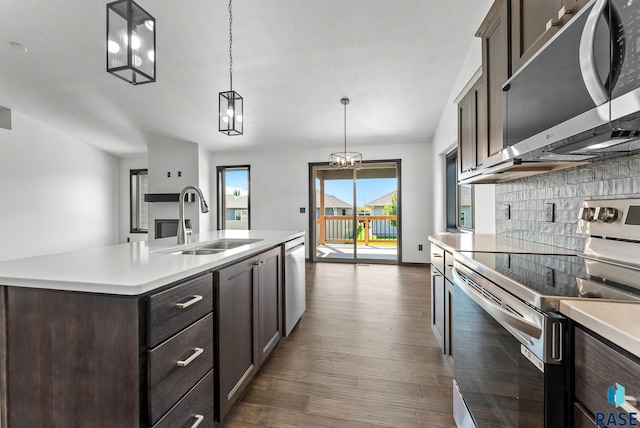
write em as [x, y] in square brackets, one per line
[510, 343]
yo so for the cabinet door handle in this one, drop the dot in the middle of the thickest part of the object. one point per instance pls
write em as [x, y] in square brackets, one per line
[552, 23]
[564, 11]
[258, 263]
[199, 419]
[196, 298]
[196, 354]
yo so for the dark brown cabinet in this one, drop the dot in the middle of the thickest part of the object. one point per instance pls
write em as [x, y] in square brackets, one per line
[496, 69]
[270, 327]
[81, 359]
[441, 297]
[468, 108]
[599, 366]
[249, 321]
[534, 22]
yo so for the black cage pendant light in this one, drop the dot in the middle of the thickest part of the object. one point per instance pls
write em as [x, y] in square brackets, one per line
[344, 160]
[230, 103]
[131, 42]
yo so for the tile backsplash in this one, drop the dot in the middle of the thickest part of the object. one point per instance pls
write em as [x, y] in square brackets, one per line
[566, 189]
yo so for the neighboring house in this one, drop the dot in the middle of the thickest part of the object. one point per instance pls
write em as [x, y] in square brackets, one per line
[333, 205]
[382, 229]
[377, 205]
[465, 206]
[236, 211]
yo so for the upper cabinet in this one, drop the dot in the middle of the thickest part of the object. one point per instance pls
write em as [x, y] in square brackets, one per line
[534, 22]
[496, 69]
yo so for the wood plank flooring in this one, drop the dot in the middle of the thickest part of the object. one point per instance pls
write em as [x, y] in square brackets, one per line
[363, 355]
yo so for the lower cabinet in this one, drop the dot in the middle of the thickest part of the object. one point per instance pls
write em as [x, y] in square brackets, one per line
[178, 357]
[600, 370]
[441, 297]
[249, 311]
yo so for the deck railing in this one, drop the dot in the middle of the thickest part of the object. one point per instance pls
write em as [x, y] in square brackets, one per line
[369, 229]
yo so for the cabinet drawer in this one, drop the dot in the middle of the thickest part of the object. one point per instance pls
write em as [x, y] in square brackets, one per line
[196, 405]
[177, 364]
[591, 379]
[437, 258]
[582, 418]
[172, 310]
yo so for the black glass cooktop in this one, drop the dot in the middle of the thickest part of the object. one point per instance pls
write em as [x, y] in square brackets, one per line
[562, 275]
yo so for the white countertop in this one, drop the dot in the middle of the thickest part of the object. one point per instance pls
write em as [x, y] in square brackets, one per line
[134, 268]
[492, 243]
[614, 320]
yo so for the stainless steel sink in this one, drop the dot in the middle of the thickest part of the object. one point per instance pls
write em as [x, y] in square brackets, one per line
[216, 247]
[200, 251]
[227, 244]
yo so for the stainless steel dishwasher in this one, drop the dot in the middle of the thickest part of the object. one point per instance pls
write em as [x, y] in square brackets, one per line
[295, 294]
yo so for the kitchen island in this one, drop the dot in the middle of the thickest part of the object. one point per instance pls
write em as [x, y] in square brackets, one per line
[139, 334]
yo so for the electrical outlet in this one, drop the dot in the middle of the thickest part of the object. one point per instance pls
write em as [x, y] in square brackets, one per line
[168, 174]
[419, 247]
[303, 210]
[549, 278]
[548, 211]
[507, 212]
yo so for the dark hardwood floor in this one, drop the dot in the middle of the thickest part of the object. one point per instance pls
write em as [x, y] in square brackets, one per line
[363, 355]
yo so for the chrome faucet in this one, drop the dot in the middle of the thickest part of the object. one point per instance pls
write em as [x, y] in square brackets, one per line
[182, 229]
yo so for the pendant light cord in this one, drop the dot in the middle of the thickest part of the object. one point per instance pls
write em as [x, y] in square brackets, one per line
[230, 49]
[345, 129]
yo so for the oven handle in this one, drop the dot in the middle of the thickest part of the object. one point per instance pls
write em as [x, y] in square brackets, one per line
[498, 312]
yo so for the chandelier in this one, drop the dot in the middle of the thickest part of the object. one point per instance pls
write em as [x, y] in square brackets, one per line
[230, 103]
[131, 42]
[345, 159]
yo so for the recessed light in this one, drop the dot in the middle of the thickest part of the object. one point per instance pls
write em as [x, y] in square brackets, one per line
[17, 46]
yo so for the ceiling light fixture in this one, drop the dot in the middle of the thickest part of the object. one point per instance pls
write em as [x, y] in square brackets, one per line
[134, 62]
[230, 103]
[345, 159]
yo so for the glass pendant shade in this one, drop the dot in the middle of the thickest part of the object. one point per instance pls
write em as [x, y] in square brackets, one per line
[131, 42]
[230, 120]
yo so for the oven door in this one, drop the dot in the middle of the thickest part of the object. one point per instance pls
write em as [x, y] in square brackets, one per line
[501, 381]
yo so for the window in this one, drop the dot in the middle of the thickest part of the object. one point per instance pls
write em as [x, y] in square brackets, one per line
[233, 197]
[139, 186]
[459, 198]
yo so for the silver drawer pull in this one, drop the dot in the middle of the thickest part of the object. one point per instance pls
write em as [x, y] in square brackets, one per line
[196, 299]
[196, 354]
[199, 419]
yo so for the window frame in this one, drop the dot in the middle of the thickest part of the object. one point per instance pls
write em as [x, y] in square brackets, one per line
[134, 208]
[453, 211]
[221, 198]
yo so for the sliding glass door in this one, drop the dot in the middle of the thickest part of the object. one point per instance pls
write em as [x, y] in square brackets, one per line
[356, 212]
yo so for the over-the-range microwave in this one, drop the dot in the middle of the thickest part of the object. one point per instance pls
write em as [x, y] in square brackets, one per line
[578, 98]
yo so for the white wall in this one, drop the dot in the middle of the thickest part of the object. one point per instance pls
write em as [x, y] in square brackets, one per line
[124, 210]
[175, 156]
[279, 189]
[58, 193]
[446, 138]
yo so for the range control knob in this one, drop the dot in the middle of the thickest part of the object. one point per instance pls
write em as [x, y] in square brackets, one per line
[608, 214]
[589, 214]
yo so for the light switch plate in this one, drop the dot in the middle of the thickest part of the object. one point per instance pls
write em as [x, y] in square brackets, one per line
[548, 211]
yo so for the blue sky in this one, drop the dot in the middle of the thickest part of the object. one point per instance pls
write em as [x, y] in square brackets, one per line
[367, 189]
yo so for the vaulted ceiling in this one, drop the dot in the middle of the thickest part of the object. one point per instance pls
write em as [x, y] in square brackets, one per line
[293, 60]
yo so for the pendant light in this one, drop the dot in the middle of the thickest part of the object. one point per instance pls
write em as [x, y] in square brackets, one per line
[230, 103]
[345, 159]
[134, 62]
